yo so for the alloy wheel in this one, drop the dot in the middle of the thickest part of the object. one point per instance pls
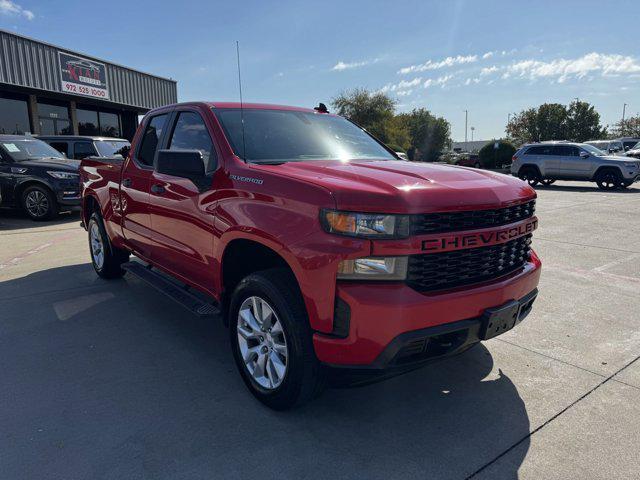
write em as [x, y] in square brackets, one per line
[37, 203]
[97, 246]
[262, 343]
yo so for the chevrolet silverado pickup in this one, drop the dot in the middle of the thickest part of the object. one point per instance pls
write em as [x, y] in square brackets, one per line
[323, 251]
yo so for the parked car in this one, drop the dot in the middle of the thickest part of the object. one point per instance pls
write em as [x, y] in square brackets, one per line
[550, 161]
[36, 177]
[612, 147]
[634, 151]
[80, 147]
[468, 160]
[629, 142]
[322, 250]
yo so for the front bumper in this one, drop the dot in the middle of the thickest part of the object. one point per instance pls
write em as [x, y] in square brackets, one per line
[67, 193]
[384, 319]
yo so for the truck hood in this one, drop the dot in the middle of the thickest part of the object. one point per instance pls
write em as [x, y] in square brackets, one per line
[616, 158]
[64, 164]
[406, 187]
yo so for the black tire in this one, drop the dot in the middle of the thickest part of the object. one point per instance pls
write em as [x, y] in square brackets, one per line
[609, 179]
[110, 265]
[529, 175]
[304, 378]
[39, 203]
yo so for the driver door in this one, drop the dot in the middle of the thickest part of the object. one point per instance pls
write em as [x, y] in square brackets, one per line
[180, 211]
[574, 165]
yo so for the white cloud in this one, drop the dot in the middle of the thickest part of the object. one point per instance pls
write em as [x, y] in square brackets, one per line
[404, 93]
[562, 69]
[7, 7]
[441, 81]
[488, 70]
[431, 65]
[402, 85]
[338, 67]
[488, 55]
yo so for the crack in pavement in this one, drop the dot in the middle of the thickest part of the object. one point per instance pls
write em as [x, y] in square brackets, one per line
[536, 430]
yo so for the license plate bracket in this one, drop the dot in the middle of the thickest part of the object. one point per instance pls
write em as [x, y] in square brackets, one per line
[499, 320]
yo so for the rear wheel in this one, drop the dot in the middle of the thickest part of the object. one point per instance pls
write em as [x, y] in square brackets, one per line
[40, 203]
[529, 175]
[107, 260]
[271, 340]
[609, 179]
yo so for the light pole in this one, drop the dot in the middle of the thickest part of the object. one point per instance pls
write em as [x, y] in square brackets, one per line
[466, 118]
[472, 129]
[624, 110]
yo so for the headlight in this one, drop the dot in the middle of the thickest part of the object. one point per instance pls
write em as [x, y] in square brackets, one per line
[366, 225]
[63, 175]
[373, 268]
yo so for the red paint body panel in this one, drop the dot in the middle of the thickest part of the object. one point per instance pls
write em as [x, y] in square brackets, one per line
[185, 232]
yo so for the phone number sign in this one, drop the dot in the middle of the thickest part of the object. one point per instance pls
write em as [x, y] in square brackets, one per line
[81, 76]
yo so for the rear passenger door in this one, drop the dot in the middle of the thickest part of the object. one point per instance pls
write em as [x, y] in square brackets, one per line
[135, 183]
[180, 214]
[543, 156]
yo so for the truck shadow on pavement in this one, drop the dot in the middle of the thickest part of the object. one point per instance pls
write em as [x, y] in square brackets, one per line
[16, 219]
[111, 380]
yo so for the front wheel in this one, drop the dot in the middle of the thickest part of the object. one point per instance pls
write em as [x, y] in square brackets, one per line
[271, 340]
[609, 180]
[40, 203]
[107, 260]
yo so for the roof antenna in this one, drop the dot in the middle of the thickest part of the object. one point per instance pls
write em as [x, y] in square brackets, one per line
[244, 148]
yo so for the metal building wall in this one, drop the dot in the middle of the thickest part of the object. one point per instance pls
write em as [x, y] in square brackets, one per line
[32, 64]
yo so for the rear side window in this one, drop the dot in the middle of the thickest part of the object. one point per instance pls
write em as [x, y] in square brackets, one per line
[60, 146]
[190, 133]
[83, 150]
[539, 150]
[151, 139]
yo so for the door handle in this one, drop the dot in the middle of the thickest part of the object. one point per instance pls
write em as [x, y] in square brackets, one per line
[157, 188]
[126, 182]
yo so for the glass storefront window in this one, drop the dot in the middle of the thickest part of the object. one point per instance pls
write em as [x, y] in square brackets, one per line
[91, 122]
[49, 110]
[87, 122]
[109, 124]
[14, 116]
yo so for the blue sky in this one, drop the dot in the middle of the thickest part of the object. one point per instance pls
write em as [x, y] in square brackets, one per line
[489, 57]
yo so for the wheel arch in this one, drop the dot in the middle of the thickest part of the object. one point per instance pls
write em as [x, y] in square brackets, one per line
[21, 187]
[604, 168]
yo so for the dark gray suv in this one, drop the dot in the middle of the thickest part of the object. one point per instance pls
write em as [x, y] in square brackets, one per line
[547, 162]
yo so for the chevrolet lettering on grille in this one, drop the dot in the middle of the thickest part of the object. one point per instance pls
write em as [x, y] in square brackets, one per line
[482, 239]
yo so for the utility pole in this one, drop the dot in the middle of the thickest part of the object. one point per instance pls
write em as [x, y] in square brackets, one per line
[466, 117]
[624, 110]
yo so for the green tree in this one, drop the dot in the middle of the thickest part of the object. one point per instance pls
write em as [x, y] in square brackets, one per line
[429, 135]
[552, 121]
[372, 111]
[492, 157]
[583, 122]
[629, 128]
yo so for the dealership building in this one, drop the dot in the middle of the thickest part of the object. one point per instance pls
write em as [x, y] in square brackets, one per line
[49, 90]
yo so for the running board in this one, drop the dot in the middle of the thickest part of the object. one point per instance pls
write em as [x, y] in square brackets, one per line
[181, 295]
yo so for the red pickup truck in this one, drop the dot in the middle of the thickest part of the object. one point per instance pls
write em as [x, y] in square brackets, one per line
[320, 247]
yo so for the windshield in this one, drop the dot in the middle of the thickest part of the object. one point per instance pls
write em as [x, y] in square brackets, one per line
[629, 145]
[20, 150]
[635, 146]
[108, 148]
[593, 150]
[287, 135]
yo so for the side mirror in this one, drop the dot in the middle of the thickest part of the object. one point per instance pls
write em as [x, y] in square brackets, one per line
[584, 155]
[181, 163]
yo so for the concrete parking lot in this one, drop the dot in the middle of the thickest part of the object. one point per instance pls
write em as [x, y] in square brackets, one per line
[110, 380]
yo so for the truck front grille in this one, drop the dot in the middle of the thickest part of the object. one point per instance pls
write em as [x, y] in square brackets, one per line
[439, 271]
[427, 223]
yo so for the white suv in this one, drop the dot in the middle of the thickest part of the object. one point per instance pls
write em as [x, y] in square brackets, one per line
[550, 161]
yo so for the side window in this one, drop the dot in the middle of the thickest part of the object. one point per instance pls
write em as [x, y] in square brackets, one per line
[61, 147]
[151, 139]
[83, 150]
[190, 133]
[534, 151]
[573, 151]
